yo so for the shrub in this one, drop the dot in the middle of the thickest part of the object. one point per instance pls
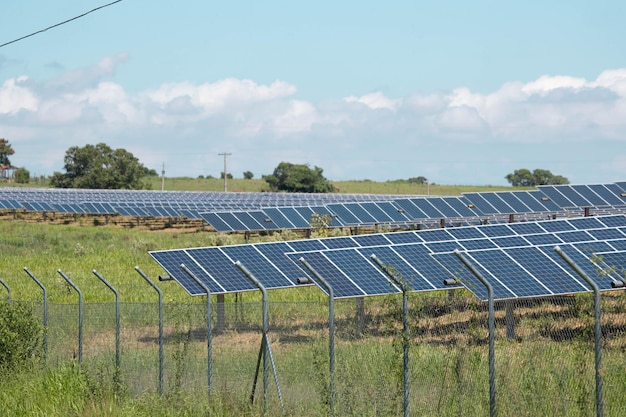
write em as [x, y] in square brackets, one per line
[21, 335]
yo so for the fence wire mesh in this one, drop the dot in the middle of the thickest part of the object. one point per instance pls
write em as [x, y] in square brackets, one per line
[544, 353]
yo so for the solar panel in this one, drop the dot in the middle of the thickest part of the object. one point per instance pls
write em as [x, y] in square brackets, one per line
[427, 208]
[553, 193]
[478, 201]
[409, 209]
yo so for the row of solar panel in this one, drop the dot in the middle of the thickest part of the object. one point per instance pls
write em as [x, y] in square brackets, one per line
[409, 210]
[345, 261]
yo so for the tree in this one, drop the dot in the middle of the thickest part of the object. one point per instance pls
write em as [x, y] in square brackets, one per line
[22, 176]
[100, 167]
[298, 178]
[228, 176]
[524, 178]
[248, 175]
[418, 180]
[5, 151]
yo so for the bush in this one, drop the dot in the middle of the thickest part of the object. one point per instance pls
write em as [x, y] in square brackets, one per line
[21, 335]
[22, 176]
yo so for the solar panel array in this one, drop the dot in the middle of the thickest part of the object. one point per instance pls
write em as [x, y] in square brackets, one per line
[236, 212]
[518, 258]
[470, 208]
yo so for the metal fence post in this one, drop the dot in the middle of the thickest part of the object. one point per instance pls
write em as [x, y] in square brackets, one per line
[45, 313]
[208, 319]
[492, 326]
[160, 307]
[405, 327]
[598, 326]
[117, 317]
[265, 345]
[80, 315]
[331, 332]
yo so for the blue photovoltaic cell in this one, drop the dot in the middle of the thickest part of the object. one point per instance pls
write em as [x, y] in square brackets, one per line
[532, 202]
[613, 221]
[409, 209]
[515, 278]
[171, 262]
[610, 196]
[556, 196]
[424, 205]
[477, 244]
[221, 269]
[588, 194]
[294, 217]
[606, 234]
[418, 256]
[465, 233]
[342, 286]
[216, 222]
[457, 269]
[278, 218]
[573, 196]
[586, 223]
[478, 201]
[543, 239]
[619, 244]
[497, 230]
[415, 280]
[443, 246]
[263, 220]
[232, 221]
[372, 240]
[263, 270]
[247, 220]
[545, 200]
[589, 248]
[404, 237]
[360, 213]
[582, 260]
[275, 253]
[515, 203]
[497, 203]
[306, 213]
[376, 212]
[575, 236]
[615, 261]
[339, 242]
[345, 215]
[306, 245]
[460, 206]
[372, 280]
[510, 241]
[435, 235]
[526, 228]
[394, 212]
[551, 275]
[443, 207]
[557, 226]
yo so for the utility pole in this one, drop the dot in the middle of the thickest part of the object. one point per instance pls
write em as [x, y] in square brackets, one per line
[163, 177]
[225, 154]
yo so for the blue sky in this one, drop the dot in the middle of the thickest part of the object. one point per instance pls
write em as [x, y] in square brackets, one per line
[458, 92]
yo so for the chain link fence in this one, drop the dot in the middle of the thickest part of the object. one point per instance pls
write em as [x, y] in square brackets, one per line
[544, 354]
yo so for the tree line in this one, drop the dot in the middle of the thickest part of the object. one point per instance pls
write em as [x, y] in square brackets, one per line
[101, 167]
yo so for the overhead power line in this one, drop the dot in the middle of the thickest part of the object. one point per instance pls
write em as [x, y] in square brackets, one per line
[59, 24]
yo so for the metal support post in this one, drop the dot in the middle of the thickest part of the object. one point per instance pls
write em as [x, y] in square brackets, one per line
[405, 326]
[331, 331]
[265, 343]
[160, 306]
[45, 312]
[208, 326]
[492, 326]
[4, 284]
[598, 326]
[117, 317]
[80, 315]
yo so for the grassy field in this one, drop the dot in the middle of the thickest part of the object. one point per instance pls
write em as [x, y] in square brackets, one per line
[348, 187]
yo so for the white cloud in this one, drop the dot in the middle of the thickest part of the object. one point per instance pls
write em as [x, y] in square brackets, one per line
[375, 101]
[15, 96]
[361, 136]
